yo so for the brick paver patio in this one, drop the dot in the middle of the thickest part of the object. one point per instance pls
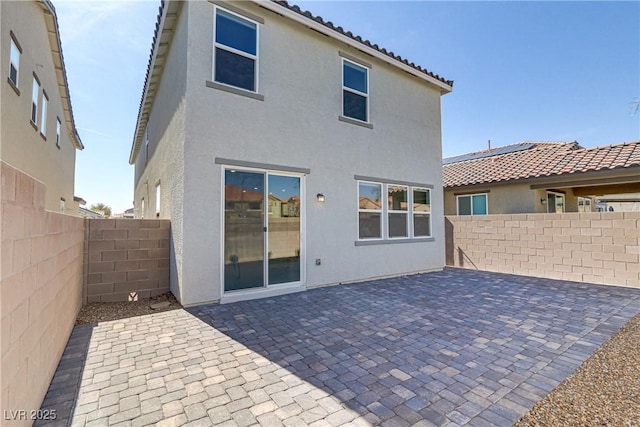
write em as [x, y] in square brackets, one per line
[449, 348]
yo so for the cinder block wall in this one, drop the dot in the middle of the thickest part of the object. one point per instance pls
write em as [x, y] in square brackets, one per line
[40, 290]
[125, 258]
[595, 247]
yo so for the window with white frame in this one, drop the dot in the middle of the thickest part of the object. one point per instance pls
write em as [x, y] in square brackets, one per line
[397, 211]
[142, 208]
[58, 129]
[584, 204]
[473, 204]
[355, 91]
[146, 147]
[43, 115]
[14, 61]
[405, 215]
[34, 101]
[62, 203]
[235, 56]
[158, 200]
[421, 212]
[555, 202]
[369, 210]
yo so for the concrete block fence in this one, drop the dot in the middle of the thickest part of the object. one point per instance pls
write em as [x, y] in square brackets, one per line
[40, 291]
[126, 259]
[594, 247]
[51, 264]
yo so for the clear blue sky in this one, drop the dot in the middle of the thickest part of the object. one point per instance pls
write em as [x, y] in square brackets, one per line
[557, 71]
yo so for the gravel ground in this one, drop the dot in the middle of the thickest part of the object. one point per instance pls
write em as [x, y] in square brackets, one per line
[604, 391]
[103, 311]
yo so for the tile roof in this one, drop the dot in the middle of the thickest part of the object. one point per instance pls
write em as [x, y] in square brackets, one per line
[51, 21]
[359, 39]
[540, 159]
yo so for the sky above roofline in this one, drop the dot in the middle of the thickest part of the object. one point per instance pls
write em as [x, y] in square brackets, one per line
[522, 70]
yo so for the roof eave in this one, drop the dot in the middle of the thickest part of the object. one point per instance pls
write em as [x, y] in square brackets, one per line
[61, 73]
[323, 29]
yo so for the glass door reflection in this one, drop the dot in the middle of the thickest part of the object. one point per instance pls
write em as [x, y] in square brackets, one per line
[283, 229]
[243, 230]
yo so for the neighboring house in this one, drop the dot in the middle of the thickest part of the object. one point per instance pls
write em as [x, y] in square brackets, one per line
[540, 177]
[619, 203]
[88, 213]
[248, 99]
[37, 132]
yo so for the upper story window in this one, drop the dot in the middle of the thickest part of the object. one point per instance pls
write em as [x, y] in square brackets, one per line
[43, 115]
[14, 61]
[158, 200]
[146, 147]
[355, 91]
[58, 128]
[473, 204]
[235, 51]
[34, 100]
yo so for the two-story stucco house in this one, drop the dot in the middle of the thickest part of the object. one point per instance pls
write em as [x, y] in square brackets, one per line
[287, 152]
[37, 131]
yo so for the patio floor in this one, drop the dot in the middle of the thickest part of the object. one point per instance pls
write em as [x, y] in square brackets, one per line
[457, 347]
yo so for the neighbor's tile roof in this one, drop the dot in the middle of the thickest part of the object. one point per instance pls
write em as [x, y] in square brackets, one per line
[541, 159]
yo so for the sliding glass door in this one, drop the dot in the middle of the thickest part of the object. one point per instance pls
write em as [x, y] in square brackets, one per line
[262, 226]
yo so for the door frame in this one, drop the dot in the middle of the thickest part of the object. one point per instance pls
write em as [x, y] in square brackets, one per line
[266, 290]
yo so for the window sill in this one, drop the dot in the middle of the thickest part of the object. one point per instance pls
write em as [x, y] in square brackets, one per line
[35, 126]
[43, 136]
[13, 86]
[355, 122]
[235, 90]
[392, 241]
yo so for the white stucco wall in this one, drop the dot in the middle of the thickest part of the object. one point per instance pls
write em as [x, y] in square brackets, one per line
[22, 145]
[297, 125]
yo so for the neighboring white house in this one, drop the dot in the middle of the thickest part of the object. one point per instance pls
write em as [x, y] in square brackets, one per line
[287, 152]
[37, 131]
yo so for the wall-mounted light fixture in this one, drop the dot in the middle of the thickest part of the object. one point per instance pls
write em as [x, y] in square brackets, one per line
[543, 201]
[320, 197]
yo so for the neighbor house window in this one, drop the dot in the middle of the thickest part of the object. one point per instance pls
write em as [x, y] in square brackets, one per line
[58, 128]
[421, 212]
[397, 211]
[369, 210]
[34, 101]
[235, 50]
[142, 208]
[43, 115]
[405, 215]
[472, 204]
[584, 204]
[62, 204]
[355, 91]
[158, 200]
[146, 147]
[14, 61]
[555, 202]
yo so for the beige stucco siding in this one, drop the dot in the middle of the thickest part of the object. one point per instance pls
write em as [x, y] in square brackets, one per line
[509, 199]
[297, 125]
[21, 145]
